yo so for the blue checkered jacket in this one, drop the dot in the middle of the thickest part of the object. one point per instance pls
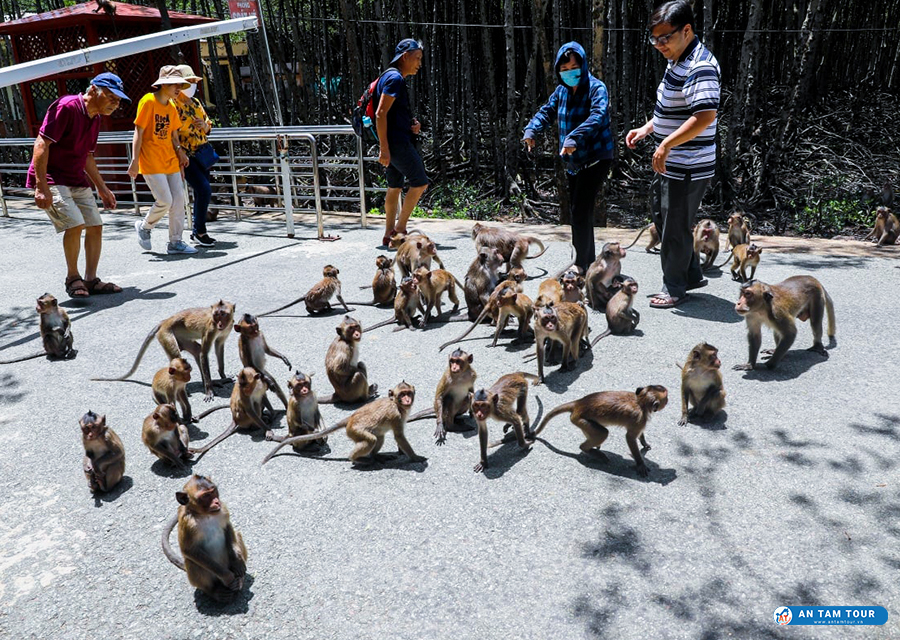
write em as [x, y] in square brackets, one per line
[583, 116]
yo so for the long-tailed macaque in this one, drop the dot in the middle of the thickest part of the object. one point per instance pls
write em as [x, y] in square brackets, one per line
[886, 229]
[603, 275]
[169, 386]
[511, 245]
[701, 383]
[56, 331]
[654, 238]
[253, 348]
[776, 305]
[595, 412]
[481, 280]
[167, 436]
[745, 256]
[195, 331]
[621, 316]
[706, 241]
[432, 285]
[368, 425]
[104, 455]
[738, 230]
[215, 557]
[303, 415]
[318, 299]
[565, 323]
[505, 401]
[346, 372]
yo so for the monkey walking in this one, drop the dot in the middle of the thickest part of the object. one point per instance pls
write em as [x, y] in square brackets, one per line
[432, 285]
[248, 400]
[595, 412]
[481, 280]
[167, 436]
[566, 323]
[777, 305]
[505, 401]
[745, 256]
[104, 455]
[406, 303]
[56, 332]
[621, 316]
[215, 557]
[701, 383]
[345, 371]
[491, 306]
[194, 331]
[252, 348]
[414, 252]
[318, 299]
[368, 425]
[303, 414]
[511, 302]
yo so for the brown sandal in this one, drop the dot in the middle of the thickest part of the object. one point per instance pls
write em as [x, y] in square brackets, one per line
[77, 290]
[97, 287]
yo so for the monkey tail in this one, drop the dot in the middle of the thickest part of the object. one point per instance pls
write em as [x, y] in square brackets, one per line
[640, 233]
[829, 307]
[166, 545]
[600, 337]
[24, 358]
[529, 376]
[315, 435]
[383, 323]
[478, 320]
[563, 408]
[725, 261]
[289, 304]
[532, 240]
[458, 283]
[137, 360]
[214, 409]
[424, 414]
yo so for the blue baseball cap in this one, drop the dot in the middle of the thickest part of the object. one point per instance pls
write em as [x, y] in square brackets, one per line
[112, 82]
[407, 44]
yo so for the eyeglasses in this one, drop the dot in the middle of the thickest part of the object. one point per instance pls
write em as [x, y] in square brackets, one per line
[662, 40]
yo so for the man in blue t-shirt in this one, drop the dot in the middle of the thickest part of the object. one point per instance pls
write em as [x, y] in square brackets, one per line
[396, 126]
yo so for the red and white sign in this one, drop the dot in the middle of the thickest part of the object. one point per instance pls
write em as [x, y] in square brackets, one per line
[244, 9]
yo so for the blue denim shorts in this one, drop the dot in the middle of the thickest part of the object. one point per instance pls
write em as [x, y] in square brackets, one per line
[405, 163]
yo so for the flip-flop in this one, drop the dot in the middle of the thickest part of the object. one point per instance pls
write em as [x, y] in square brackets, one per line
[670, 302]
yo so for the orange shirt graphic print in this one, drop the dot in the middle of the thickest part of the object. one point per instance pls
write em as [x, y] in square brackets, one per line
[158, 122]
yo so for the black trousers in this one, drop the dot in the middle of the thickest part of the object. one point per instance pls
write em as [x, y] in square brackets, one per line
[583, 188]
[674, 205]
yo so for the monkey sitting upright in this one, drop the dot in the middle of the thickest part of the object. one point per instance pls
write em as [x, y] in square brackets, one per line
[303, 415]
[169, 386]
[346, 372]
[776, 305]
[886, 229]
[706, 242]
[166, 435]
[318, 298]
[701, 383]
[56, 331]
[104, 455]
[215, 557]
[252, 348]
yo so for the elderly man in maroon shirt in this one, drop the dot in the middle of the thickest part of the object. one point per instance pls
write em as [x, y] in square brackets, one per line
[61, 164]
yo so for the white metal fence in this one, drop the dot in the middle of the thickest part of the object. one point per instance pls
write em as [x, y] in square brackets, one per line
[311, 163]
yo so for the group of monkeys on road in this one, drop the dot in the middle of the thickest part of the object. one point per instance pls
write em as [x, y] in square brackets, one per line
[214, 555]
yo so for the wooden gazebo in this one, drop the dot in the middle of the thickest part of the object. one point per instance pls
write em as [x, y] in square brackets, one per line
[79, 27]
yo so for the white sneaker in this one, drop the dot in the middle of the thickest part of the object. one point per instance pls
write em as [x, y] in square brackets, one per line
[143, 235]
[180, 247]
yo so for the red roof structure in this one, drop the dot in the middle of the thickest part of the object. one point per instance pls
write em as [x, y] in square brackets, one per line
[80, 26]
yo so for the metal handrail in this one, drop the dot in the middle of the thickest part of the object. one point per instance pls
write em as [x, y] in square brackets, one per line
[282, 163]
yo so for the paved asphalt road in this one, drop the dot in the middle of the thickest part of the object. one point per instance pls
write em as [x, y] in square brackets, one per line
[791, 498]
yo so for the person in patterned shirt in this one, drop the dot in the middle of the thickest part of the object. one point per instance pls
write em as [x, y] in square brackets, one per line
[195, 127]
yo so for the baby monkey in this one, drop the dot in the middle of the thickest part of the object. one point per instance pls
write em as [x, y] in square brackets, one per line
[621, 316]
[169, 386]
[56, 331]
[166, 435]
[738, 230]
[596, 411]
[706, 241]
[104, 455]
[303, 415]
[505, 401]
[318, 299]
[701, 383]
[432, 285]
[745, 255]
[654, 238]
[215, 557]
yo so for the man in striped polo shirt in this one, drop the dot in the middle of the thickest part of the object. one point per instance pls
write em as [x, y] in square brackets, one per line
[684, 128]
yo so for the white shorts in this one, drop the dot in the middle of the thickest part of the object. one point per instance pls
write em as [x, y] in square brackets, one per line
[73, 207]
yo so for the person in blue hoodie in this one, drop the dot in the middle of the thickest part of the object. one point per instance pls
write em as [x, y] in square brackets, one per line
[580, 105]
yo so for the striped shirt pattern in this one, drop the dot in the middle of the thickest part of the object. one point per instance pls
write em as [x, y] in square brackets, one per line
[690, 85]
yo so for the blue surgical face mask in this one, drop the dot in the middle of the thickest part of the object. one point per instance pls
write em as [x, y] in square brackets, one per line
[571, 77]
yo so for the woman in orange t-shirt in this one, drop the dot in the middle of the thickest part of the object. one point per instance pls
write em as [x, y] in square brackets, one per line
[158, 156]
